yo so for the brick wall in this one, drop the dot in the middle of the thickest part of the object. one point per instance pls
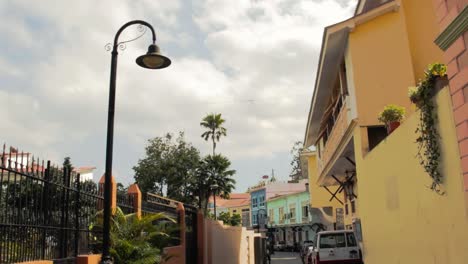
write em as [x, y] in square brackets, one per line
[456, 57]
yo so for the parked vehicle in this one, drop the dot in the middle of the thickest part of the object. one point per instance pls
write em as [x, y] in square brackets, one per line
[290, 246]
[305, 246]
[336, 246]
[279, 246]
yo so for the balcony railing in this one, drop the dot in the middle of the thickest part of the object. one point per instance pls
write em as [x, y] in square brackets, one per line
[334, 138]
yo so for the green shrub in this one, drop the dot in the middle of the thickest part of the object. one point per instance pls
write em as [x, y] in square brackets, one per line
[392, 113]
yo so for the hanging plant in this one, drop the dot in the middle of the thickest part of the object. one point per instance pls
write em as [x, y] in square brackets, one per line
[428, 136]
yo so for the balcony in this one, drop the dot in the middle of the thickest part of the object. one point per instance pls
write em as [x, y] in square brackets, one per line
[332, 137]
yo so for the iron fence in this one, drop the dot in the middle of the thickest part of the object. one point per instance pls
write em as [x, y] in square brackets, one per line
[45, 211]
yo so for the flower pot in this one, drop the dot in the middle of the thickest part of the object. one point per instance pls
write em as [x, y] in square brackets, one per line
[392, 126]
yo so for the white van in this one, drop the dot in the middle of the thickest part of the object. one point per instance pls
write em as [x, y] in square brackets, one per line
[336, 247]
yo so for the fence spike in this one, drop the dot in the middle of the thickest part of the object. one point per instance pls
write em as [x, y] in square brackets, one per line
[3, 155]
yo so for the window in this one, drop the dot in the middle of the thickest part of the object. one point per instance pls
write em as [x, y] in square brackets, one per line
[281, 215]
[353, 206]
[292, 213]
[262, 200]
[346, 209]
[351, 240]
[375, 134]
[255, 219]
[271, 215]
[305, 211]
[254, 202]
[332, 240]
[234, 211]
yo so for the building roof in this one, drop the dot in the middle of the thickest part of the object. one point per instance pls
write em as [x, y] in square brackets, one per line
[235, 200]
[278, 196]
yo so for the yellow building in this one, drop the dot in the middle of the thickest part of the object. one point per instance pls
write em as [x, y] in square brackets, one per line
[322, 205]
[367, 62]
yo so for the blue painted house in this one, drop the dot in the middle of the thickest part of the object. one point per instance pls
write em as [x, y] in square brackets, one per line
[258, 207]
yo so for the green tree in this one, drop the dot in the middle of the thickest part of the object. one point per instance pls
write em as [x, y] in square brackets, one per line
[67, 164]
[296, 171]
[234, 220]
[169, 165]
[214, 170]
[213, 123]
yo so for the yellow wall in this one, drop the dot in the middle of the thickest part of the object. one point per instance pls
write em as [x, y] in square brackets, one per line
[319, 197]
[382, 67]
[239, 211]
[403, 221]
[422, 27]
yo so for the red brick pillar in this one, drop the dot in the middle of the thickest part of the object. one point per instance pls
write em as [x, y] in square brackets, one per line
[453, 39]
[134, 191]
[114, 193]
[183, 244]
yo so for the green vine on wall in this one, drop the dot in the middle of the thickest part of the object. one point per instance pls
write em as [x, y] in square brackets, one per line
[428, 136]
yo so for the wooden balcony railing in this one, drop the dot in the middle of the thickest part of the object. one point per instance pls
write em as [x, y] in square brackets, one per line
[334, 138]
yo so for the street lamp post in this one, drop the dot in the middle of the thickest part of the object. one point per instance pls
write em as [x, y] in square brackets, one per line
[214, 187]
[262, 216]
[151, 60]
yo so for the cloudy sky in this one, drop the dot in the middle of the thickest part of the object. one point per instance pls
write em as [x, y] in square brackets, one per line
[254, 61]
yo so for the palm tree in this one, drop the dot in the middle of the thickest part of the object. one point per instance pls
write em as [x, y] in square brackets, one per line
[214, 170]
[138, 240]
[213, 123]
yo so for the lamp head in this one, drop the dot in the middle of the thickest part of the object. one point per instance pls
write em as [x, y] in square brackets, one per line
[153, 59]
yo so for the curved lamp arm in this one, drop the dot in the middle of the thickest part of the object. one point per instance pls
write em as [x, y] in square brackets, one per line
[141, 22]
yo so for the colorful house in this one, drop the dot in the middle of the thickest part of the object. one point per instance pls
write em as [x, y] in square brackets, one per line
[288, 216]
[238, 203]
[367, 62]
[265, 190]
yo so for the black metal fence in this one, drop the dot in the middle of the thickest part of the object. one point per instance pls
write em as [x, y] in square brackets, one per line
[45, 211]
[48, 213]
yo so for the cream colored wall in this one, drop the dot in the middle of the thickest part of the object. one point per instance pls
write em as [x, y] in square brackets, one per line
[422, 27]
[381, 64]
[229, 244]
[403, 221]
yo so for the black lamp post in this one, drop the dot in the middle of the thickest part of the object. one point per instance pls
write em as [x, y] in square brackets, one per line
[214, 187]
[151, 60]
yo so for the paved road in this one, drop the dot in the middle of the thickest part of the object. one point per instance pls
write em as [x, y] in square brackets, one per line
[285, 258]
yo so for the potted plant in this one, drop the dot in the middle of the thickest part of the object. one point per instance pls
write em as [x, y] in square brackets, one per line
[414, 95]
[391, 116]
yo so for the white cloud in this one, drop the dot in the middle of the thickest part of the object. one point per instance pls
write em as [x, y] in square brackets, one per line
[257, 68]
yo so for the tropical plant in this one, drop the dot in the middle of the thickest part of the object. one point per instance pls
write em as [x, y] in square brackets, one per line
[428, 136]
[214, 170]
[392, 113]
[135, 239]
[213, 123]
[234, 220]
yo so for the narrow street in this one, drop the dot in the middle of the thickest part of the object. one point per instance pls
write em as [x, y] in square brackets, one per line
[285, 258]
